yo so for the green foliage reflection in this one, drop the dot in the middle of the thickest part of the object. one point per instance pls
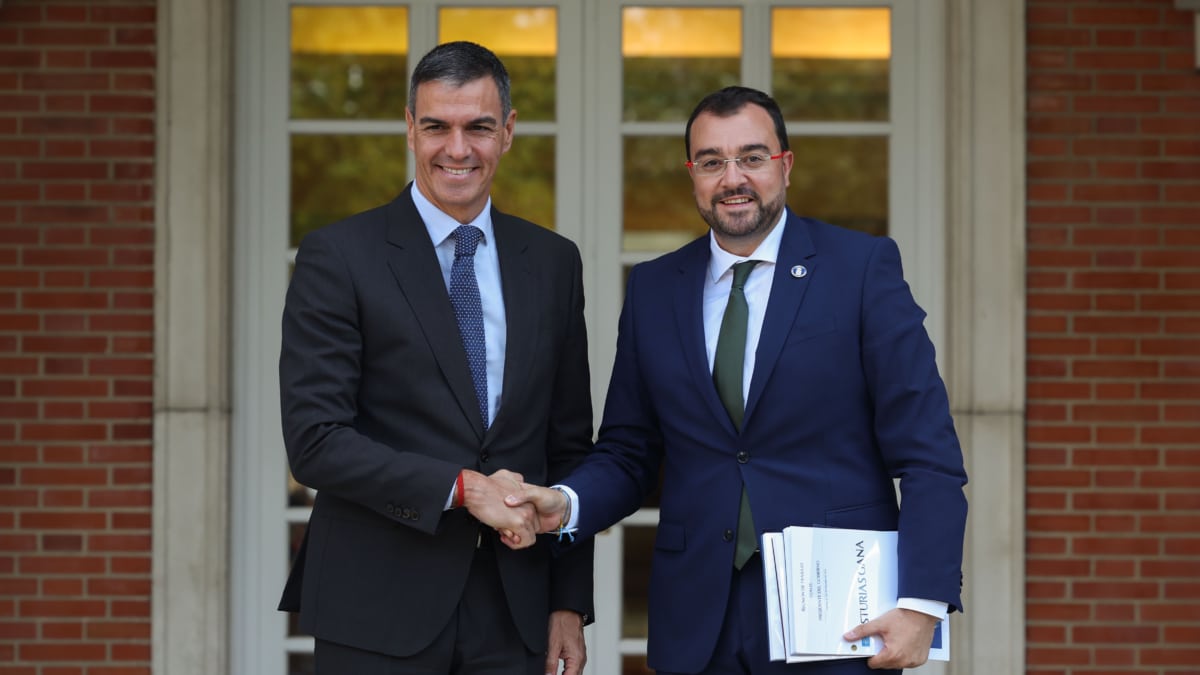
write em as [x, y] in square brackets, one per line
[659, 212]
[524, 183]
[831, 89]
[668, 88]
[336, 176]
[841, 180]
[349, 86]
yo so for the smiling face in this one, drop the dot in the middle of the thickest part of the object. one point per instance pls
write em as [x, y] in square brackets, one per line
[740, 207]
[457, 135]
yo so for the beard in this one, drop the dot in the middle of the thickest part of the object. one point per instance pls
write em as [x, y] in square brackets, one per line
[748, 224]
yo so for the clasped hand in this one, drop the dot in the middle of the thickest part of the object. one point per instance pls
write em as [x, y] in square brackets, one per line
[517, 510]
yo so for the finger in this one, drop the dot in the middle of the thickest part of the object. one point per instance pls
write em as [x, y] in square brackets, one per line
[860, 631]
[551, 662]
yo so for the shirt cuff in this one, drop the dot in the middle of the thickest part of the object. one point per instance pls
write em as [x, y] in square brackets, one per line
[573, 523]
[453, 492]
[933, 608]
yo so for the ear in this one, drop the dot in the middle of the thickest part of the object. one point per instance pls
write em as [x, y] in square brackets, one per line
[408, 120]
[787, 160]
[509, 125]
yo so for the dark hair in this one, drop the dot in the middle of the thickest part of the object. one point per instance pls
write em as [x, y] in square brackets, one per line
[729, 101]
[459, 63]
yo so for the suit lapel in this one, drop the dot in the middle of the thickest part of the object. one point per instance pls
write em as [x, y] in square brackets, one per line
[787, 295]
[688, 301]
[415, 267]
[521, 316]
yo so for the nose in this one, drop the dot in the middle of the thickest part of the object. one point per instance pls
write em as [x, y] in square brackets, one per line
[732, 174]
[456, 144]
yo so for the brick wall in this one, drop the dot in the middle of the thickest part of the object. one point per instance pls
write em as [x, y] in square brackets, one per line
[76, 335]
[1113, 433]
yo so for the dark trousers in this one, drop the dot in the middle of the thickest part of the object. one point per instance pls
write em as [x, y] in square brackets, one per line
[480, 638]
[743, 647]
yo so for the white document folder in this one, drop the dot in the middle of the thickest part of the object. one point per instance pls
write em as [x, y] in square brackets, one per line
[821, 582]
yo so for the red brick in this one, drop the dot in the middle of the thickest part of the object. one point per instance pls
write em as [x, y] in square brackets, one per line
[111, 103]
[1185, 658]
[119, 630]
[1117, 147]
[1115, 501]
[66, 14]
[62, 432]
[1115, 634]
[1170, 479]
[1115, 568]
[1171, 125]
[107, 543]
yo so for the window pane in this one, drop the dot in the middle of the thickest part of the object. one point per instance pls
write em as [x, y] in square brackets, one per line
[295, 537]
[301, 664]
[349, 62]
[336, 176]
[831, 64]
[673, 57]
[635, 665]
[526, 39]
[659, 210]
[841, 180]
[638, 544]
[524, 183]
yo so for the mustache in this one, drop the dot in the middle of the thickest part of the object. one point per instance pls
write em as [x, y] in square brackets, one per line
[736, 192]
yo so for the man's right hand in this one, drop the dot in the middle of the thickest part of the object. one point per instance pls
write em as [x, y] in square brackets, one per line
[484, 497]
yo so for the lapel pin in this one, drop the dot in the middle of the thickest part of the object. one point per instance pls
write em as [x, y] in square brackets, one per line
[799, 271]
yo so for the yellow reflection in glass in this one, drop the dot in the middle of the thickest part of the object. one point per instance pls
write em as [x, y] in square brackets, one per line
[526, 39]
[356, 30]
[649, 31]
[831, 33]
[525, 31]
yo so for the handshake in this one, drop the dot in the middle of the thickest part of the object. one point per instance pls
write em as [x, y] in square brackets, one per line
[517, 510]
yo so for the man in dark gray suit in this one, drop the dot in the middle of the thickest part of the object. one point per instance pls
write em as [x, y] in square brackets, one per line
[429, 344]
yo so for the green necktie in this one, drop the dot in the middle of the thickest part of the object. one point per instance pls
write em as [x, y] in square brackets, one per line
[728, 367]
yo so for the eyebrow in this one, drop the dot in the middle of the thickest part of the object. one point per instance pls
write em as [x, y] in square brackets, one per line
[486, 119]
[751, 147]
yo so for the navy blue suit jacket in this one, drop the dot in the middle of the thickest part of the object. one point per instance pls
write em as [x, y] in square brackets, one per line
[844, 398]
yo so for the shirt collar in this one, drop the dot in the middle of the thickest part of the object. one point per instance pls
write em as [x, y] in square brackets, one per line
[440, 225]
[721, 260]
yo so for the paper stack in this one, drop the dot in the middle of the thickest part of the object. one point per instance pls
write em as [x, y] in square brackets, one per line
[821, 582]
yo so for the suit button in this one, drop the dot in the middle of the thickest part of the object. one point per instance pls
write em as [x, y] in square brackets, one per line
[728, 535]
[416, 514]
[404, 513]
[483, 456]
[743, 457]
[389, 508]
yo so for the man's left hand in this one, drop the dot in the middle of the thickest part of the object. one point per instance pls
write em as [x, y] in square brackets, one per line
[906, 634]
[566, 643]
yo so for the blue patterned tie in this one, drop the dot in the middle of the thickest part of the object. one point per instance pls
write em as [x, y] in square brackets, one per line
[464, 295]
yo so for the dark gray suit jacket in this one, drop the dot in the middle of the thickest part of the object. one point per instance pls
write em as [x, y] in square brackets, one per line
[379, 415]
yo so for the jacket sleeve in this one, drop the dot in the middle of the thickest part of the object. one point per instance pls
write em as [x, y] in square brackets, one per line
[320, 369]
[914, 430]
[569, 441]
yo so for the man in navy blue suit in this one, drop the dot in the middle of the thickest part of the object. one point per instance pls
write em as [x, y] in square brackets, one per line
[824, 392]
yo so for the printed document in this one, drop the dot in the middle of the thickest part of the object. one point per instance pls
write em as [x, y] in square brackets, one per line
[821, 582]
